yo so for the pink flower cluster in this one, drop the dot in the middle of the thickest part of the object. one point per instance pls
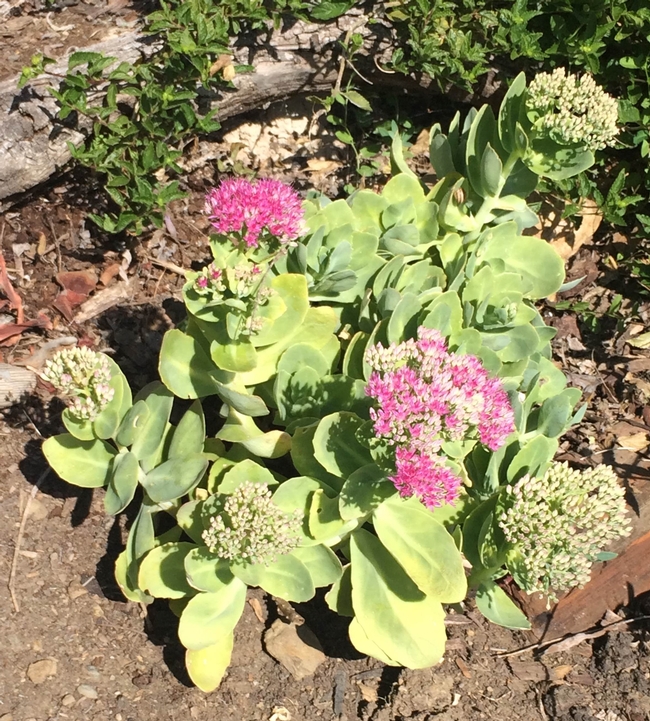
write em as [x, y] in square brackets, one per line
[252, 208]
[425, 396]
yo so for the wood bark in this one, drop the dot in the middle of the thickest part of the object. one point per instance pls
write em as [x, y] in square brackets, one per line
[300, 58]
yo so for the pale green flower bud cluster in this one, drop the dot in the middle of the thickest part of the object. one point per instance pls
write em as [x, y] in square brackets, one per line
[558, 524]
[250, 528]
[84, 376]
[572, 109]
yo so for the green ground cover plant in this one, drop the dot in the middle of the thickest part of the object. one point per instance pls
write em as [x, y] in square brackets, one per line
[135, 144]
[390, 411]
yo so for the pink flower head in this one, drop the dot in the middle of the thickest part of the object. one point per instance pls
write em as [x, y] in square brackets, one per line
[426, 396]
[251, 208]
[417, 474]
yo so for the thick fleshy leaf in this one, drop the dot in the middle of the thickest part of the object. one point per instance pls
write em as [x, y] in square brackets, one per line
[339, 597]
[246, 471]
[240, 428]
[122, 484]
[207, 666]
[423, 548]
[107, 422]
[162, 571]
[78, 427]
[304, 460]
[175, 477]
[495, 604]
[190, 519]
[133, 423]
[363, 644]
[325, 523]
[185, 368]
[83, 463]
[209, 617]
[540, 267]
[322, 563]
[336, 447]
[128, 588]
[363, 491]
[188, 437]
[288, 578]
[394, 614]
[205, 571]
[147, 443]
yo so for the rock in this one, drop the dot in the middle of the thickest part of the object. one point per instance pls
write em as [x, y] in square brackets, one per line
[6, 717]
[87, 691]
[67, 700]
[40, 671]
[295, 647]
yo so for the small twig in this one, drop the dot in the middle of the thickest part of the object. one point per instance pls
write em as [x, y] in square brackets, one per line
[167, 265]
[556, 645]
[19, 538]
[540, 705]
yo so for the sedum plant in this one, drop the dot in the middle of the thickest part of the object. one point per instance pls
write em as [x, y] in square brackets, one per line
[390, 411]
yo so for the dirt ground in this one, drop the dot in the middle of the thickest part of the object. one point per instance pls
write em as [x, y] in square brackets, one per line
[72, 648]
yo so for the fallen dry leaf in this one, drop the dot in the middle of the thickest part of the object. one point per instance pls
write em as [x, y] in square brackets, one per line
[109, 273]
[220, 63]
[324, 167]
[421, 144]
[77, 286]
[570, 242]
[636, 442]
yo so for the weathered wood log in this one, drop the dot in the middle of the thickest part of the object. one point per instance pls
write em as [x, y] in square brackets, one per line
[301, 58]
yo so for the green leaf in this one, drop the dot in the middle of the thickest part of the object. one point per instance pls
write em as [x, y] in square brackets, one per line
[80, 428]
[207, 666]
[147, 442]
[122, 484]
[186, 369]
[162, 571]
[107, 422]
[246, 471]
[491, 169]
[205, 571]
[493, 602]
[240, 428]
[133, 423]
[336, 446]
[209, 617]
[364, 490]
[83, 463]
[510, 112]
[357, 99]
[540, 267]
[175, 477]
[399, 619]
[533, 458]
[364, 645]
[189, 435]
[288, 578]
[339, 597]
[322, 563]
[423, 548]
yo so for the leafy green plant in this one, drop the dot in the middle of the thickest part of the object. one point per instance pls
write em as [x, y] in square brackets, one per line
[388, 357]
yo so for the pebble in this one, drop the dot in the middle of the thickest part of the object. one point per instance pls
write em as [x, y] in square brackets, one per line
[295, 647]
[87, 691]
[76, 590]
[6, 717]
[67, 700]
[39, 671]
